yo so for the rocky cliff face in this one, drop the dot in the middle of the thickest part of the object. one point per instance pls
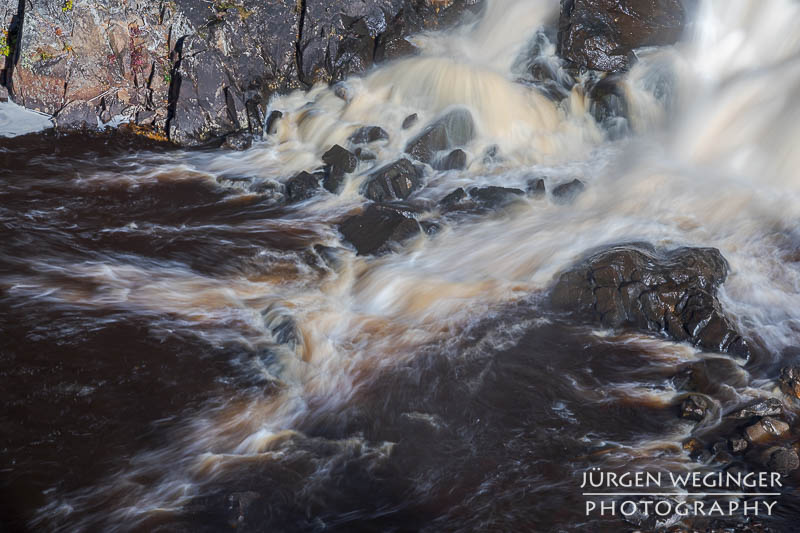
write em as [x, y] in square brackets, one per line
[195, 71]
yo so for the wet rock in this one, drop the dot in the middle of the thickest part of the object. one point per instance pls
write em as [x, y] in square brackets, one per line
[737, 444]
[238, 141]
[410, 120]
[781, 459]
[452, 200]
[377, 227]
[368, 134]
[338, 162]
[767, 429]
[602, 34]
[493, 197]
[694, 407]
[302, 187]
[610, 105]
[242, 183]
[566, 192]
[395, 181]
[768, 407]
[455, 160]
[536, 188]
[3, 94]
[790, 381]
[669, 292]
[454, 129]
[271, 124]
[364, 155]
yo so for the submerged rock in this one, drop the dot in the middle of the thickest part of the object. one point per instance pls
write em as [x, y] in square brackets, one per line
[668, 292]
[493, 197]
[601, 34]
[536, 188]
[368, 134]
[378, 226]
[302, 187]
[566, 192]
[609, 105]
[395, 181]
[781, 459]
[455, 160]
[454, 129]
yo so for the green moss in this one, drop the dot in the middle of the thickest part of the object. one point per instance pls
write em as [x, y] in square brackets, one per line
[5, 46]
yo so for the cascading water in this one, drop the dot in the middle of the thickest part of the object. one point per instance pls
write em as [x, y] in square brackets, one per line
[428, 388]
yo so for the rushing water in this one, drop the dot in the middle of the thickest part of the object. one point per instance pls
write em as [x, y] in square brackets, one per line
[176, 351]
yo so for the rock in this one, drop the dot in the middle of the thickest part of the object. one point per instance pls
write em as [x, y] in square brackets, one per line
[737, 444]
[410, 120]
[455, 128]
[667, 292]
[271, 124]
[395, 181]
[238, 141]
[455, 160]
[495, 197]
[609, 105]
[694, 407]
[566, 192]
[203, 69]
[379, 225]
[790, 381]
[601, 34]
[452, 200]
[536, 188]
[781, 459]
[302, 187]
[364, 155]
[3, 94]
[338, 162]
[766, 430]
[768, 407]
[241, 183]
[368, 134]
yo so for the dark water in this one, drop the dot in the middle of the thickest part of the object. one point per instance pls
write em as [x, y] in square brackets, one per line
[487, 431]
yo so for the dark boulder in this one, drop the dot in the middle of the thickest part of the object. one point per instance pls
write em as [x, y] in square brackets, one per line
[455, 128]
[780, 459]
[377, 227]
[601, 34]
[790, 382]
[368, 134]
[302, 187]
[395, 181]
[455, 160]
[338, 162]
[271, 125]
[668, 292]
[566, 192]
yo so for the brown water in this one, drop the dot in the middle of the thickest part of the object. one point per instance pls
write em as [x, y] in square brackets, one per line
[175, 353]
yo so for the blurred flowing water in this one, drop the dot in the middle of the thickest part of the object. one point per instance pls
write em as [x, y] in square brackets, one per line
[177, 353]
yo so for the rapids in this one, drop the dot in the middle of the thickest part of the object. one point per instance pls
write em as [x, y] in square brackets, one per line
[196, 351]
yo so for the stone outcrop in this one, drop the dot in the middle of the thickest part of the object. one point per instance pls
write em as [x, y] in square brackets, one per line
[380, 225]
[195, 71]
[668, 292]
[602, 34]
